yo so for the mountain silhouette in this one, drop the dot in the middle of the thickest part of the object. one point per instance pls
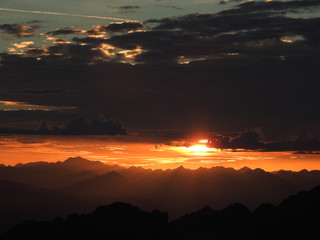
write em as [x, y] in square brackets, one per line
[116, 221]
[176, 191]
[79, 163]
[108, 184]
[55, 175]
[20, 202]
[297, 217]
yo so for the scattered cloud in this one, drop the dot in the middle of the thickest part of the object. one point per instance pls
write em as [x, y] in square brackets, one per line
[23, 106]
[123, 27]
[34, 21]
[169, 6]
[129, 7]
[19, 30]
[101, 31]
[25, 44]
[66, 31]
[125, 8]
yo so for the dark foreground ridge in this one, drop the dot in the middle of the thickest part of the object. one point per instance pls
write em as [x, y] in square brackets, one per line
[295, 218]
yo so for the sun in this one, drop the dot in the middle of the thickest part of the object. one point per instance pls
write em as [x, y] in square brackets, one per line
[200, 148]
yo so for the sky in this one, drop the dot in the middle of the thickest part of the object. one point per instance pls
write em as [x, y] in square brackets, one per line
[162, 65]
[136, 9]
[146, 152]
[160, 84]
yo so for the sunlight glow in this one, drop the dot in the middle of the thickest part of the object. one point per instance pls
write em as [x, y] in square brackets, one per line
[18, 106]
[23, 44]
[129, 151]
[131, 54]
[199, 149]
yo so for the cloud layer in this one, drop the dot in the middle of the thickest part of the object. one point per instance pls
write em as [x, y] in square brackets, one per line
[252, 65]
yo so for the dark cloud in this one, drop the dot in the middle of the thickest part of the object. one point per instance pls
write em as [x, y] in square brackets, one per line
[90, 40]
[102, 31]
[254, 139]
[248, 66]
[36, 91]
[160, 44]
[32, 119]
[63, 53]
[125, 8]
[79, 126]
[249, 139]
[75, 51]
[19, 30]
[249, 29]
[279, 6]
[34, 21]
[31, 51]
[100, 125]
[170, 6]
[123, 27]
[65, 31]
[246, 16]
[129, 7]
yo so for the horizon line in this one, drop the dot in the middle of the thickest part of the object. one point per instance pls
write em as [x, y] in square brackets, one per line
[154, 169]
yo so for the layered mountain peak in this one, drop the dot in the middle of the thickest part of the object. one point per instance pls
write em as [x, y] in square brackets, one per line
[76, 160]
[244, 170]
[79, 163]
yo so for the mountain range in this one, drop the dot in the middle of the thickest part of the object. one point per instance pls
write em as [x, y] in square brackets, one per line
[44, 190]
[297, 217]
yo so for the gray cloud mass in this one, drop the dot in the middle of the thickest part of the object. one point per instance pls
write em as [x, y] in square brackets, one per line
[248, 66]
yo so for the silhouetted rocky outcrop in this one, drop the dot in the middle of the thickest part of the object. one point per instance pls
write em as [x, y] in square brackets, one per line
[20, 202]
[297, 217]
[116, 221]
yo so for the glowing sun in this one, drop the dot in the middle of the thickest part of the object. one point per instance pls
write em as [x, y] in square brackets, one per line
[200, 148]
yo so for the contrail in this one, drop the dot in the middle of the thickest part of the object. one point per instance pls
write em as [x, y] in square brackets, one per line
[65, 14]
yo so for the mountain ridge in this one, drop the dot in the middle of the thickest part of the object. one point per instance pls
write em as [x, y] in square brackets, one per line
[294, 218]
[176, 191]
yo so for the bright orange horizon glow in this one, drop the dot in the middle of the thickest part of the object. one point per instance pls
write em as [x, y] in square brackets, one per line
[199, 149]
[148, 153]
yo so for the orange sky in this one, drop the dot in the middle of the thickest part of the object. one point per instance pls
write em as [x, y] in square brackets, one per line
[145, 152]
